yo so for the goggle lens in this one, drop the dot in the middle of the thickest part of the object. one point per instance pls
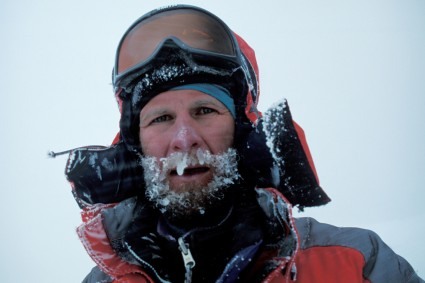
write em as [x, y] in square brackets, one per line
[196, 29]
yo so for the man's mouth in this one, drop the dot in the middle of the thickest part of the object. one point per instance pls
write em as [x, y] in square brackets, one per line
[190, 171]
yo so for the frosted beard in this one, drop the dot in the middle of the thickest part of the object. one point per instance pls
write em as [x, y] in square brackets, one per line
[192, 199]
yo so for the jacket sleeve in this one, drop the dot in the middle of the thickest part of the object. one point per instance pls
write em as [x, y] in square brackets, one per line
[97, 276]
[384, 265]
[357, 248]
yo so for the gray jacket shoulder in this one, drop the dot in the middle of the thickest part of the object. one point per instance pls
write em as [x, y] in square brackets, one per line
[97, 276]
[382, 264]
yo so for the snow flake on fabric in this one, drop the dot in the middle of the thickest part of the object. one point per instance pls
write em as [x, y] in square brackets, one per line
[274, 127]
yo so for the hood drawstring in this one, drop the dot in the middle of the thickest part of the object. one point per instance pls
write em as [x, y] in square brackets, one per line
[53, 154]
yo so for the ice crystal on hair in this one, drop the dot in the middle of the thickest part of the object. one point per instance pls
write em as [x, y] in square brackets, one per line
[225, 173]
[182, 165]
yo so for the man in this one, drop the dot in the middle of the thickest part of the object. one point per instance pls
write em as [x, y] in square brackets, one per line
[198, 185]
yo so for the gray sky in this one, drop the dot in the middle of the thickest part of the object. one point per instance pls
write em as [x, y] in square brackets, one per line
[353, 73]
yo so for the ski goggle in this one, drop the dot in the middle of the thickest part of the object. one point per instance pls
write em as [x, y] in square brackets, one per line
[192, 28]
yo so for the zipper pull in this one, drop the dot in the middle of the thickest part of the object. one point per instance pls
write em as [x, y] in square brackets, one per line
[188, 260]
[187, 255]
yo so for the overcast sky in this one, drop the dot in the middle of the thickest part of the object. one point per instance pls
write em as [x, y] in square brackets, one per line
[353, 73]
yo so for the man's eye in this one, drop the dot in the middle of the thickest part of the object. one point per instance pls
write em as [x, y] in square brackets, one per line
[206, 110]
[161, 119]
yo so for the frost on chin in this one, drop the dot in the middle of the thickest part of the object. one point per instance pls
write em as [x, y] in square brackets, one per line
[225, 173]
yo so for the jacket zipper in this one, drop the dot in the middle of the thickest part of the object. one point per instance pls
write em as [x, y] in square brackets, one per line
[188, 260]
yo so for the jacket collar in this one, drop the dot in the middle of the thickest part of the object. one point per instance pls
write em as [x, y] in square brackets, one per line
[131, 220]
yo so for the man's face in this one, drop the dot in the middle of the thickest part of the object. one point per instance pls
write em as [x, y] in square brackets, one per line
[188, 135]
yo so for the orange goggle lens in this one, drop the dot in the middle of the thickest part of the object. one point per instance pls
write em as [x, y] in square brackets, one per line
[194, 28]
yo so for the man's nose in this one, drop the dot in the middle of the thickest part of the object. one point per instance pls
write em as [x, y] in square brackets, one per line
[186, 136]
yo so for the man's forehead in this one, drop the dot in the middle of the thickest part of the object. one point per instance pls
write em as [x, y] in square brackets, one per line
[216, 93]
[179, 98]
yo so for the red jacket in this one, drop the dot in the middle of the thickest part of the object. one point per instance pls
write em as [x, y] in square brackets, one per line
[320, 252]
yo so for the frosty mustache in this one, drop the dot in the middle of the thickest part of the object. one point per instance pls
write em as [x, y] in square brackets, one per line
[225, 173]
[179, 161]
